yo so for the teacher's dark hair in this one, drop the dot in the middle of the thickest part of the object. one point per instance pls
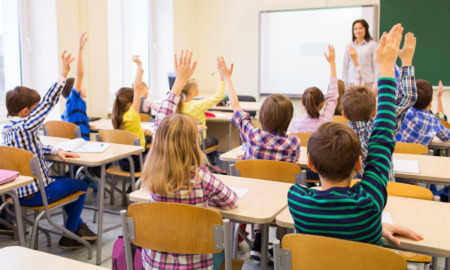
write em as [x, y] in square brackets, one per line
[367, 37]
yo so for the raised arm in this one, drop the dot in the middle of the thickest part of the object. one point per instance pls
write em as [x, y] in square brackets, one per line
[345, 67]
[439, 108]
[80, 68]
[225, 73]
[137, 84]
[375, 67]
[333, 92]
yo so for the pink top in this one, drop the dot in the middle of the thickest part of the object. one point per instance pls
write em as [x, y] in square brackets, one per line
[307, 124]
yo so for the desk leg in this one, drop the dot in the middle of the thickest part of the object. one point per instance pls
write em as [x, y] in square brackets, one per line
[18, 217]
[230, 128]
[447, 263]
[264, 246]
[101, 194]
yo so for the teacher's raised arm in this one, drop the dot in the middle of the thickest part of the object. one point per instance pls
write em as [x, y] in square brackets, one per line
[362, 65]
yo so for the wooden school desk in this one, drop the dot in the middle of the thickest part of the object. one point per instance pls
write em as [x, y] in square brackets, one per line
[262, 203]
[113, 153]
[440, 145]
[9, 189]
[21, 258]
[248, 106]
[429, 218]
[433, 169]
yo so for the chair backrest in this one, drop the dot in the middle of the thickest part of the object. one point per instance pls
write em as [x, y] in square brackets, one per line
[339, 119]
[144, 117]
[62, 129]
[304, 138]
[445, 123]
[178, 228]
[411, 148]
[405, 190]
[272, 170]
[117, 136]
[320, 252]
[18, 160]
[245, 98]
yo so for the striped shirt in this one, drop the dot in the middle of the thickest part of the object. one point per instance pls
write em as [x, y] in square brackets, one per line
[207, 190]
[405, 99]
[353, 213]
[75, 112]
[23, 133]
[307, 124]
[261, 144]
[421, 126]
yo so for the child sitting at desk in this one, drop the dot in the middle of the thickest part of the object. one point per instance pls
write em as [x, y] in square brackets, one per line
[26, 115]
[313, 101]
[359, 103]
[334, 151]
[176, 171]
[75, 111]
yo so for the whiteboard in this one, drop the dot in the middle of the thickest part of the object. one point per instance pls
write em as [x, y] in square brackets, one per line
[292, 43]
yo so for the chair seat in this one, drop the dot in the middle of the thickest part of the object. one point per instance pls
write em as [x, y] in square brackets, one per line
[211, 148]
[58, 202]
[236, 264]
[413, 257]
[116, 170]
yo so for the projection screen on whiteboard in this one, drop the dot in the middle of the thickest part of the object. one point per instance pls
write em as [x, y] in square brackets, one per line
[293, 42]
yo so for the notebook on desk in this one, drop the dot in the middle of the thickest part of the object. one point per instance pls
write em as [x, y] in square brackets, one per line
[79, 145]
[7, 176]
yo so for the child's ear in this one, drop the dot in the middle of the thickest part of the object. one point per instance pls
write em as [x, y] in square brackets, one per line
[343, 114]
[311, 166]
[358, 165]
[374, 113]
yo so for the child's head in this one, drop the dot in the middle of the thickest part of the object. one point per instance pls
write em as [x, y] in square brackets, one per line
[21, 101]
[333, 151]
[189, 89]
[276, 114]
[341, 89]
[68, 87]
[313, 100]
[358, 104]
[175, 155]
[124, 99]
[424, 94]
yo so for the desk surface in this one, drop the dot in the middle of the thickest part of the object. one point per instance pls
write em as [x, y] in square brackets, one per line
[19, 182]
[220, 117]
[248, 106]
[429, 218]
[433, 169]
[20, 258]
[261, 204]
[112, 153]
[107, 124]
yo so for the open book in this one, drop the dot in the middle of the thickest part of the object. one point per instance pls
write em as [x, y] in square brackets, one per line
[79, 145]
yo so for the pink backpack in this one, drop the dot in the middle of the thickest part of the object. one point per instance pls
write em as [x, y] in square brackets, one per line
[119, 261]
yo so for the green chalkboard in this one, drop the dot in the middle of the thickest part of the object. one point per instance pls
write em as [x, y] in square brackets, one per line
[429, 20]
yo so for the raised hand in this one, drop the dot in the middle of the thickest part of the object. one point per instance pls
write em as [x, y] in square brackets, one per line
[440, 90]
[66, 60]
[183, 71]
[353, 55]
[407, 52]
[388, 49]
[137, 60]
[83, 40]
[223, 69]
[331, 54]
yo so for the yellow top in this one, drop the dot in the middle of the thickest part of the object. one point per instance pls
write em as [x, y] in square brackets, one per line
[197, 108]
[132, 122]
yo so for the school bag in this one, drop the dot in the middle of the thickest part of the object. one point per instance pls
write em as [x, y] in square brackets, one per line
[119, 261]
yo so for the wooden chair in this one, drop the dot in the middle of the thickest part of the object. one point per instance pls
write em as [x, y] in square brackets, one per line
[62, 129]
[27, 164]
[176, 228]
[304, 138]
[411, 148]
[445, 123]
[339, 119]
[304, 251]
[144, 117]
[121, 137]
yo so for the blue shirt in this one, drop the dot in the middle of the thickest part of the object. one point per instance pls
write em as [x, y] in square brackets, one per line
[75, 112]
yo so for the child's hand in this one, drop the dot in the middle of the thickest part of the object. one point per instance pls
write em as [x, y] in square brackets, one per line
[331, 54]
[63, 155]
[387, 51]
[225, 72]
[147, 132]
[66, 60]
[183, 68]
[389, 230]
[440, 91]
[353, 55]
[137, 60]
[83, 40]
[407, 52]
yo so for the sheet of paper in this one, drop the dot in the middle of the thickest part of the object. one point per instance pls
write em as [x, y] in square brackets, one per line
[92, 147]
[406, 166]
[148, 125]
[240, 191]
[71, 145]
[387, 218]
[220, 115]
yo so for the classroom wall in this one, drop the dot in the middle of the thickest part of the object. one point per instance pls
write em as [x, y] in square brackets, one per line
[231, 28]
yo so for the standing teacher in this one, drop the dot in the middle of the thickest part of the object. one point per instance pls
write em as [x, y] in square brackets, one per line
[365, 48]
